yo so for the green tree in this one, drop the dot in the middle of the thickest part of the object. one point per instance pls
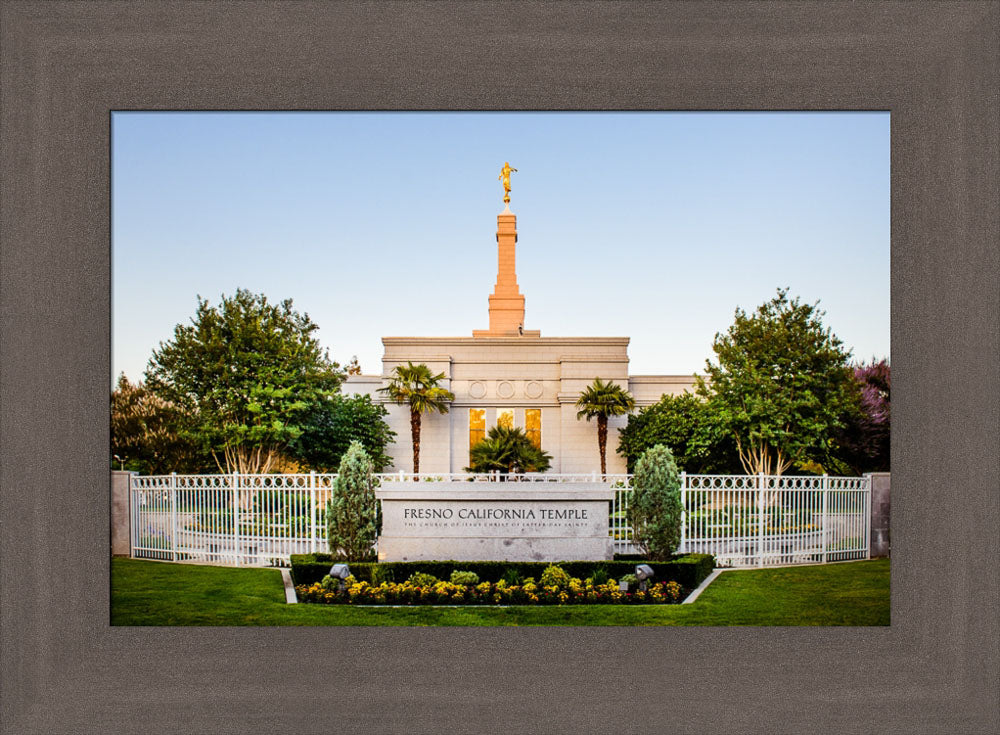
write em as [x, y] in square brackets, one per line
[147, 433]
[507, 449]
[416, 387]
[654, 510]
[689, 426]
[333, 423]
[247, 372]
[352, 511]
[600, 400]
[781, 385]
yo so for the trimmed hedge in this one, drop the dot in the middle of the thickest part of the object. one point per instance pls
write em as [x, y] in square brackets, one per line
[688, 570]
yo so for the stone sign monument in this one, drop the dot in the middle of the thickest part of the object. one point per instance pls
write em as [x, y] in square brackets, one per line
[473, 521]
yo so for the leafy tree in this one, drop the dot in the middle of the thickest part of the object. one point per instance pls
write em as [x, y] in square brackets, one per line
[247, 372]
[690, 427]
[864, 441]
[334, 422]
[781, 384]
[354, 367]
[352, 511]
[600, 400]
[507, 449]
[654, 510]
[416, 387]
[147, 432]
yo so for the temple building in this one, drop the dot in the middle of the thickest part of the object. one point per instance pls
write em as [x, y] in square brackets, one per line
[507, 374]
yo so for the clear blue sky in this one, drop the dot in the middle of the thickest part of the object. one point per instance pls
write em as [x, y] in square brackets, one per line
[654, 226]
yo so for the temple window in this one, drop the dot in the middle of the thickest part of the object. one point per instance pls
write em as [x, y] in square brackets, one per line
[533, 425]
[505, 417]
[477, 426]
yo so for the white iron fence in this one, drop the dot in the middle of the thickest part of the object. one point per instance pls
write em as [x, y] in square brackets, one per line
[260, 520]
[766, 520]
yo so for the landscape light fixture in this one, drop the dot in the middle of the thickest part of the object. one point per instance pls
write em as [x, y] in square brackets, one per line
[341, 572]
[643, 572]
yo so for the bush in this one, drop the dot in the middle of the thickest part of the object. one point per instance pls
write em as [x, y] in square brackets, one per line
[512, 576]
[692, 427]
[600, 576]
[420, 579]
[352, 519]
[332, 424]
[468, 579]
[381, 573]
[554, 576]
[655, 508]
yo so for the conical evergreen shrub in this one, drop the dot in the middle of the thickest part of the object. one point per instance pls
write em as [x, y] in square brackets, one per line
[352, 512]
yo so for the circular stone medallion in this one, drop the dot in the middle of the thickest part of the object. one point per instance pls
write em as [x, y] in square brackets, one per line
[505, 389]
[477, 389]
[533, 389]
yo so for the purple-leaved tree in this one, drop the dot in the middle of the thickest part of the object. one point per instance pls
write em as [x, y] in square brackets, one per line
[865, 440]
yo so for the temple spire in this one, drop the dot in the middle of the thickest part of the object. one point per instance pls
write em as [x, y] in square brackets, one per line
[506, 301]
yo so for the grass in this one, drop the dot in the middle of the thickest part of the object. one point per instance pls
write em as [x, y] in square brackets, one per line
[157, 593]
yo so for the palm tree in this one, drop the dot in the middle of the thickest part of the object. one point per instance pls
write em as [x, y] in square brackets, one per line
[507, 449]
[416, 386]
[602, 399]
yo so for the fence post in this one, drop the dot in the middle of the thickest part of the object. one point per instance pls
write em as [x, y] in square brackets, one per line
[133, 513]
[122, 520]
[867, 516]
[684, 482]
[312, 504]
[236, 515]
[173, 516]
[826, 493]
[760, 519]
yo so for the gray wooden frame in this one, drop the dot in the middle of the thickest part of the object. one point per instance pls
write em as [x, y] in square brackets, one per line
[66, 65]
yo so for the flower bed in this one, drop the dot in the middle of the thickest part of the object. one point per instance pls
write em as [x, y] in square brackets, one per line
[688, 570]
[574, 592]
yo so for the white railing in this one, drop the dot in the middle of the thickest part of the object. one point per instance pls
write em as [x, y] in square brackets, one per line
[766, 520]
[497, 477]
[260, 520]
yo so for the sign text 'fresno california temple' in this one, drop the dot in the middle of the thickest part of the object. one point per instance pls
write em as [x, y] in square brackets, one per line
[511, 375]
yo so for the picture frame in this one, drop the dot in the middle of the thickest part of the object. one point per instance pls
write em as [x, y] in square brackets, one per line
[66, 66]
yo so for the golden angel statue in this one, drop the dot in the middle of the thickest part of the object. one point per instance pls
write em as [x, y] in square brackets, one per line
[505, 178]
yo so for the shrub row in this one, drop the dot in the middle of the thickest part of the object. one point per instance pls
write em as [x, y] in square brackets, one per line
[688, 570]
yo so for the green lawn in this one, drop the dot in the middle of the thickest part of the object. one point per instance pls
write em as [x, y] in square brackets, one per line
[157, 593]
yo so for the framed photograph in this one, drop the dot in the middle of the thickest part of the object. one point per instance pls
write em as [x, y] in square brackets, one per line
[500, 466]
[70, 68]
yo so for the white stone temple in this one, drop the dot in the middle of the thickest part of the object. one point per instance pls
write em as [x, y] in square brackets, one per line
[512, 375]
